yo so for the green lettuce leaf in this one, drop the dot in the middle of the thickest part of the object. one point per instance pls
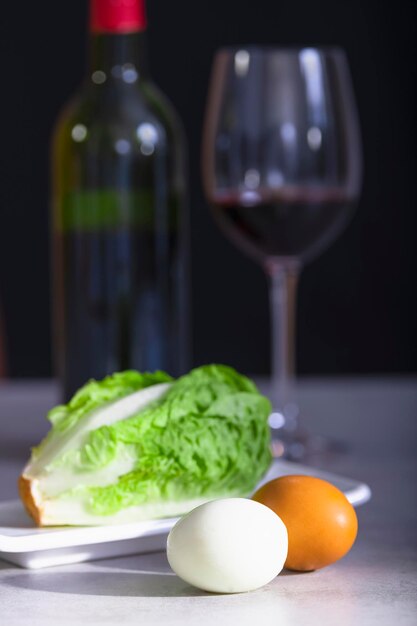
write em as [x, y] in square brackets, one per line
[93, 395]
[203, 436]
[96, 393]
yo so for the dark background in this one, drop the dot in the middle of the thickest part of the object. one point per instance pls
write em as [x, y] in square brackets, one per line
[357, 303]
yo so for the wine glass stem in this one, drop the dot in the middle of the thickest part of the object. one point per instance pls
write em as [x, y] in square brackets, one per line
[283, 289]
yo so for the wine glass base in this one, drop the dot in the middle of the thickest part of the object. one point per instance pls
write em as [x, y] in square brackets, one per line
[301, 444]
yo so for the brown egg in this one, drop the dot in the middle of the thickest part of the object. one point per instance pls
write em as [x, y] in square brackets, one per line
[321, 523]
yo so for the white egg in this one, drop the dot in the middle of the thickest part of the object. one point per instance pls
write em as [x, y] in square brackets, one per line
[228, 546]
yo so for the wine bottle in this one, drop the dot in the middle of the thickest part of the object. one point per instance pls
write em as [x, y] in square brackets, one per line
[120, 291]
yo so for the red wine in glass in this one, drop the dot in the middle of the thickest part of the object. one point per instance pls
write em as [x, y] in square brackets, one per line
[287, 223]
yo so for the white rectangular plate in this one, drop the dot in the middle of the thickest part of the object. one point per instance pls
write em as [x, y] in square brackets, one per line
[25, 545]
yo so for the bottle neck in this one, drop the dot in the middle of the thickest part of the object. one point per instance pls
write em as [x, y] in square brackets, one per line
[118, 56]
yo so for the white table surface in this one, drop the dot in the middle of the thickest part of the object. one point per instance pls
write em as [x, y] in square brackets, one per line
[375, 584]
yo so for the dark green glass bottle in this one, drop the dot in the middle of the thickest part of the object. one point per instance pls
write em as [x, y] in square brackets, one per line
[120, 285]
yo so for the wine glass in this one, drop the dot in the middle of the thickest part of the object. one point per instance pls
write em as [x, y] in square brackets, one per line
[282, 169]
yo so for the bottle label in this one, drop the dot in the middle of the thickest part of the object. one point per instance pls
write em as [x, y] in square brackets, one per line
[117, 16]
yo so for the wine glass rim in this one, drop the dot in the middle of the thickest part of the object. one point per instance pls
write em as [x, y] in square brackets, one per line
[274, 49]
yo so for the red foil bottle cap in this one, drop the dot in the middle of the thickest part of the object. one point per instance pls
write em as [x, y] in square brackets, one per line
[117, 16]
